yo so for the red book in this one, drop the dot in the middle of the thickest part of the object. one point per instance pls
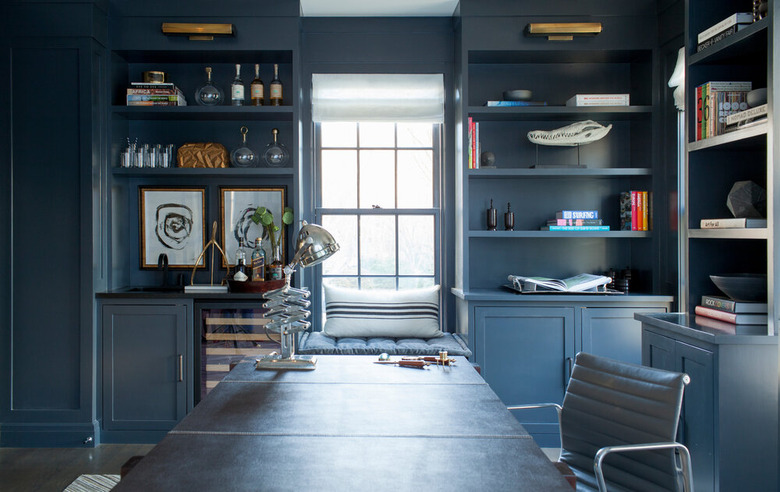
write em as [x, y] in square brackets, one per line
[634, 212]
[747, 319]
[699, 113]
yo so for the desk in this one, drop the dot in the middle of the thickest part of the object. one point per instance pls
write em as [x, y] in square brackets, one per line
[348, 425]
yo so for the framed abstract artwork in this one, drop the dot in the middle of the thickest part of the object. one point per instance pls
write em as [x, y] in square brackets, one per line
[238, 205]
[172, 221]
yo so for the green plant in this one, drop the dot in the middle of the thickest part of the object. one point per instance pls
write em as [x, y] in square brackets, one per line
[265, 217]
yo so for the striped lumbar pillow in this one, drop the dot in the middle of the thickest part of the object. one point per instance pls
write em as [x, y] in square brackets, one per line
[410, 313]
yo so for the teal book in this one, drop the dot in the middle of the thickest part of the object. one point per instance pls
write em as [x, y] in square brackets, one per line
[575, 228]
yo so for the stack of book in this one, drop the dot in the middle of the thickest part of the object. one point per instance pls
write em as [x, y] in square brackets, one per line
[161, 94]
[748, 117]
[726, 314]
[599, 100]
[715, 101]
[723, 29]
[636, 210]
[575, 220]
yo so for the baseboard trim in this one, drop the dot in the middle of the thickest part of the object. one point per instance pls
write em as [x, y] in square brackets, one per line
[50, 435]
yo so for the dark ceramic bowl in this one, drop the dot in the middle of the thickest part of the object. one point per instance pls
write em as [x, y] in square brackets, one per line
[518, 95]
[742, 286]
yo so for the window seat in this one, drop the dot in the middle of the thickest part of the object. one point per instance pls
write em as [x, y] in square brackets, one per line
[318, 343]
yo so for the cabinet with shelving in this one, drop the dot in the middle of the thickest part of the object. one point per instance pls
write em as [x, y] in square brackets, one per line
[139, 46]
[714, 164]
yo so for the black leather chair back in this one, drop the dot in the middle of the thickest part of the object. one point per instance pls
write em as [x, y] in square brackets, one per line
[609, 403]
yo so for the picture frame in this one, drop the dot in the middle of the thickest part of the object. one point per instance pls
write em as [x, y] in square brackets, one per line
[236, 207]
[171, 221]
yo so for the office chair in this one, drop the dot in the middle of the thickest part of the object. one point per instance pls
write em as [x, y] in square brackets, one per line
[618, 424]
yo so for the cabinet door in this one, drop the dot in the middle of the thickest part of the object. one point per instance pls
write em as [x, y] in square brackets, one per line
[657, 351]
[525, 356]
[697, 422]
[144, 366]
[614, 333]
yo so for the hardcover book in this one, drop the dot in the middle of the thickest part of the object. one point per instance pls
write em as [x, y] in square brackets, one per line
[703, 45]
[578, 283]
[733, 223]
[577, 214]
[733, 19]
[575, 228]
[625, 210]
[748, 114]
[735, 318]
[730, 305]
[515, 103]
[730, 328]
[599, 100]
[574, 222]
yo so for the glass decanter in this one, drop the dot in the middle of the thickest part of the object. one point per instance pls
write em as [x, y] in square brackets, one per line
[276, 154]
[243, 156]
[208, 94]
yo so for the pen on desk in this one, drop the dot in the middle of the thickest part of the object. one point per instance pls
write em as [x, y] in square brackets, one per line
[419, 364]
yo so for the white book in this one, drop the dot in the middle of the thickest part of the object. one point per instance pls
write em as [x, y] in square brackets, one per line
[599, 100]
[579, 283]
[733, 223]
[748, 114]
[738, 18]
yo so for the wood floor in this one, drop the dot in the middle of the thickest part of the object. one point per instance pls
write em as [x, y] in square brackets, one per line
[53, 469]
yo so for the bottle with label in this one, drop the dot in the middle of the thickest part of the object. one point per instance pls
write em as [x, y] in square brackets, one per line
[276, 267]
[237, 89]
[276, 88]
[257, 88]
[258, 261]
[240, 272]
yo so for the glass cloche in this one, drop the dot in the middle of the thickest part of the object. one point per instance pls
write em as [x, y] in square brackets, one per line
[208, 94]
[243, 156]
[276, 154]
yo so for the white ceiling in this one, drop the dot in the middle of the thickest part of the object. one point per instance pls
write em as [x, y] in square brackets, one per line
[378, 8]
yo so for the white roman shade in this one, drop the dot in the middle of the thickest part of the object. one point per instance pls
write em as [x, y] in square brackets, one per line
[378, 97]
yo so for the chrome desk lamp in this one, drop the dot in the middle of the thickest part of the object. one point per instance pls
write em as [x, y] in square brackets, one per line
[287, 305]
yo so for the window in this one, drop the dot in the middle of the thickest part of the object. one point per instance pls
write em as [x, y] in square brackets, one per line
[379, 196]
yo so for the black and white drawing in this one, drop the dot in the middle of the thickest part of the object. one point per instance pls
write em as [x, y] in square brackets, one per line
[237, 206]
[172, 222]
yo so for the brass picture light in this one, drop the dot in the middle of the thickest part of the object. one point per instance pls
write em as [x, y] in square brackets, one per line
[197, 31]
[563, 31]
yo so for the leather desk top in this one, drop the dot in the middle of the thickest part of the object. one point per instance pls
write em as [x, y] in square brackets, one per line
[348, 425]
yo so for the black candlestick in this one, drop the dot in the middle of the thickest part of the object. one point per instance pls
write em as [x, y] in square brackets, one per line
[509, 218]
[492, 217]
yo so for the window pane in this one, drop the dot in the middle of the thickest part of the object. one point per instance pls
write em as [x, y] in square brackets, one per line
[377, 178]
[339, 134]
[415, 179]
[347, 282]
[377, 245]
[339, 178]
[344, 230]
[377, 135]
[368, 283]
[415, 282]
[415, 245]
[415, 135]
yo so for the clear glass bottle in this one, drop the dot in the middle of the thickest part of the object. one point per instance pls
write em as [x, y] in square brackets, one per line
[258, 261]
[276, 154]
[237, 89]
[243, 156]
[257, 89]
[276, 267]
[276, 88]
[208, 94]
[240, 272]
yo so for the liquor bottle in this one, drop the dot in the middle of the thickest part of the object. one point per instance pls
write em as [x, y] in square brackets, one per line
[256, 89]
[237, 89]
[276, 268]
[276, 88]
[240, 272]
[258, 261]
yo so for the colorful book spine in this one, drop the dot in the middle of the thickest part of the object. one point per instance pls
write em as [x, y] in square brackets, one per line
[717, 100]
[599, 100]
[645, 212]
[699, 112]
[574, 222]
[576, 228]
[625, 210]
[499, 104]
[470, 150]
[732, 306]
[735, 318]
[577, 214]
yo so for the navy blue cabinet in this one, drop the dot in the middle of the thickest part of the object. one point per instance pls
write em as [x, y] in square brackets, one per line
[526, 347]
[729, 415]
[147, 352]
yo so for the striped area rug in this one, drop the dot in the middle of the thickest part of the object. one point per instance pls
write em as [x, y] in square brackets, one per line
[93, 483]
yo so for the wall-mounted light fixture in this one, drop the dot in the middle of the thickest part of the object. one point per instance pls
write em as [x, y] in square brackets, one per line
[197, 31]
[563, 31]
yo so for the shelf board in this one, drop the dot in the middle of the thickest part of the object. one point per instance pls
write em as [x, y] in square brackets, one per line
[504, 295]
[559, 234]
[189, 171]
[746, 46]
[569, 55]
[268, 113]
[744, 138]
[557, 172]
[608, 113]
[727, 233]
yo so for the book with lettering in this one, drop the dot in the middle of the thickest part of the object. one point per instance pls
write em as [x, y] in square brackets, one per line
[731, 306]
[733, 223]
[730, 328]
[625, 210]
[575, 228]
[575, 222]
[499, 104]
[579, 283]
[735, 318]
[599, 100]
[732, 20]
[577, 214]
[719, 37]
[746, 115]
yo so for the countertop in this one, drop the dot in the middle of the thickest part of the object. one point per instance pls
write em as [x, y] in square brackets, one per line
[684, 324]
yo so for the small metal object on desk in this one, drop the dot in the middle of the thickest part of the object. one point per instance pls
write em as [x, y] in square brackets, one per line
[415, 363]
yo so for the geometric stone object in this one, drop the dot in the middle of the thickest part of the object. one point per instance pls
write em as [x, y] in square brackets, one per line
[747, 199]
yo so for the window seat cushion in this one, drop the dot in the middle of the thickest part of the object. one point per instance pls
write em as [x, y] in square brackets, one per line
[318, 343]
